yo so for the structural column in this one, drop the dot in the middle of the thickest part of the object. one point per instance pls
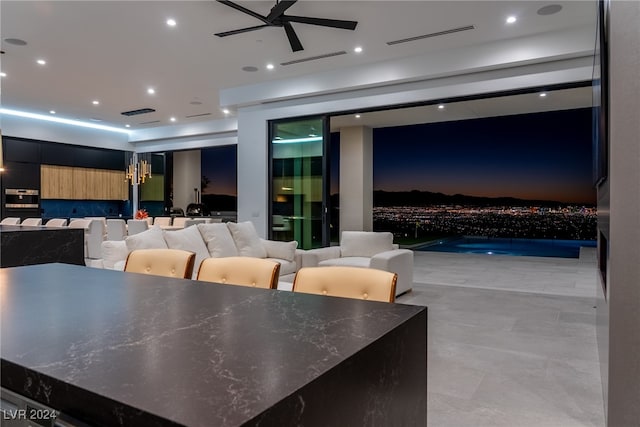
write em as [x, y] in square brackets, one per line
[186, 177]
[356, 178]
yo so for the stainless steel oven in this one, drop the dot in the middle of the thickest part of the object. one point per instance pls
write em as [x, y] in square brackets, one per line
[21, 198]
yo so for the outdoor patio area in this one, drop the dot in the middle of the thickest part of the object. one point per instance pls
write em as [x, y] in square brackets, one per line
[512, 340]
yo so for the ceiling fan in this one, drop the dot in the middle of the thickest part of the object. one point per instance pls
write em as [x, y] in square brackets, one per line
[277, 18]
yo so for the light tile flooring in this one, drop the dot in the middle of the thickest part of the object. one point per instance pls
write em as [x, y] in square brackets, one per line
[511, 341]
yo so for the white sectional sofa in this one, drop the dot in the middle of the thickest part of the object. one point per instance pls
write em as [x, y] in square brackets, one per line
[208, 240]
[366, 249]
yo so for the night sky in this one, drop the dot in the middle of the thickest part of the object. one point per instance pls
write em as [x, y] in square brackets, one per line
[219, 164]
[543, 156]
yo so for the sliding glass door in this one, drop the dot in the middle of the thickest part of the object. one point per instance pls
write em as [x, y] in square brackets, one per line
[299, 171]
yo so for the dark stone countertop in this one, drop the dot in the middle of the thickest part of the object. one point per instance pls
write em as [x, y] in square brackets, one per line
[122, 348]
[27, 245]
[12, 228]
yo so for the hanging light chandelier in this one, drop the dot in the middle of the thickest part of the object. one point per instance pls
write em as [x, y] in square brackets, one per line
[138, 168]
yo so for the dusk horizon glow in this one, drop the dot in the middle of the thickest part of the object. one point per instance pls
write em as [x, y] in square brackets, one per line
[540, 156]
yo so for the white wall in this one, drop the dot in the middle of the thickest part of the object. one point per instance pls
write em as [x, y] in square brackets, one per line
[186, 137]
[186, 177]
[356, 178]
[57, 132]
[622, 359]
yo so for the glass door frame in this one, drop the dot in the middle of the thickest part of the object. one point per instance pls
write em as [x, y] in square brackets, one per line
[326, 162]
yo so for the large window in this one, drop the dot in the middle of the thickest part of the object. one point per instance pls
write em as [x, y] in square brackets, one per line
[298, 185]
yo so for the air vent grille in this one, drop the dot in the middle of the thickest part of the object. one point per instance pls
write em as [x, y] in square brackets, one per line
[427, 36]
[148, 123]
[197, 115]
[314, 58]
[139, 111]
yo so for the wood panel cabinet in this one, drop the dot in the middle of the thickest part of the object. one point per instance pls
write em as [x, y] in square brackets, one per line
[63, 182]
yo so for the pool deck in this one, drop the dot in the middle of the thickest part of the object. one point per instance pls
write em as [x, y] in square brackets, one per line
[543, 275]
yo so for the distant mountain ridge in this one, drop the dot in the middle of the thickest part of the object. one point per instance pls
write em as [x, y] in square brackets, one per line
[383, 198]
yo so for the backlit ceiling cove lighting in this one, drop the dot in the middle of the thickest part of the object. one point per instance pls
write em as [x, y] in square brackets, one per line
[295, 140]
[54, 119]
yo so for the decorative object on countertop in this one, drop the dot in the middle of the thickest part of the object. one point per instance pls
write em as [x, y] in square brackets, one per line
[142, 214]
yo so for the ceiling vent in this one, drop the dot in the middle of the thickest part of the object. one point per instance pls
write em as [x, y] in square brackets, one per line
[136, 112]
[148, 123]
[197, 115]
[314, 58]
[428, 36]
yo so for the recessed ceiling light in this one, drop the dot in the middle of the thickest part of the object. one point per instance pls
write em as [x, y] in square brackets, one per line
[3, 74]
[543, 94]
[151, 91]
[441, 107]
[127, 125]
[225, 111]
[357, 49]
[41, 62]
[357, 116]
[173, 119]
[16, 42]
[549, 9]
[95, 102]
[52, 111]
[270, 67]
[171, 22]
[511, 19]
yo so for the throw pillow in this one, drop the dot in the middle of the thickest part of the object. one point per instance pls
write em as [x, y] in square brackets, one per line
[112, 252]
[280, 250]
[188, 239]
[218, 239]
[149, 239]
[365, 243]
[246, 239]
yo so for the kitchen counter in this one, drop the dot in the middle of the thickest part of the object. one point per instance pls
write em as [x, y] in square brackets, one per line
[112, 348]
[23, 245]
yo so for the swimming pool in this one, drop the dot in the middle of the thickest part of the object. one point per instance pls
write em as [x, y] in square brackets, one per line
[505, 246]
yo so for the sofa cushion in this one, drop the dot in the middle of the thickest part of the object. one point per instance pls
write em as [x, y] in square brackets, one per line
[351, 261]
[149, 239]
[188, 239]
[282, 250]
[218, 239]
[113, 251]
[365, 243]
[246, 239]
[286, 266]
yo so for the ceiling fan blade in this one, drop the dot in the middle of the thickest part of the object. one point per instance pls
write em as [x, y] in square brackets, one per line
[279, 9]
[294, 41]
[334, 23]
[241, 30]
[245, 10]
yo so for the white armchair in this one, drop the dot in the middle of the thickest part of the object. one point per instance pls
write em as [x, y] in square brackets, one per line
[116, 229]
[93, 236]
[366, 249]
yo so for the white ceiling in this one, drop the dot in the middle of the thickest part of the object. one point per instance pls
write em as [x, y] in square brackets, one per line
[112, 51]
[562, 99]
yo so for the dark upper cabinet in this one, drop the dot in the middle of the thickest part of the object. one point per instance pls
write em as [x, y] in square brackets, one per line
[82, 157]
[18, 150]
[58, 154]
[21, 175]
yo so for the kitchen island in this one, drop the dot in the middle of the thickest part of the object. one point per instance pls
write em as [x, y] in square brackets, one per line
[27, 245]
[111, 348]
